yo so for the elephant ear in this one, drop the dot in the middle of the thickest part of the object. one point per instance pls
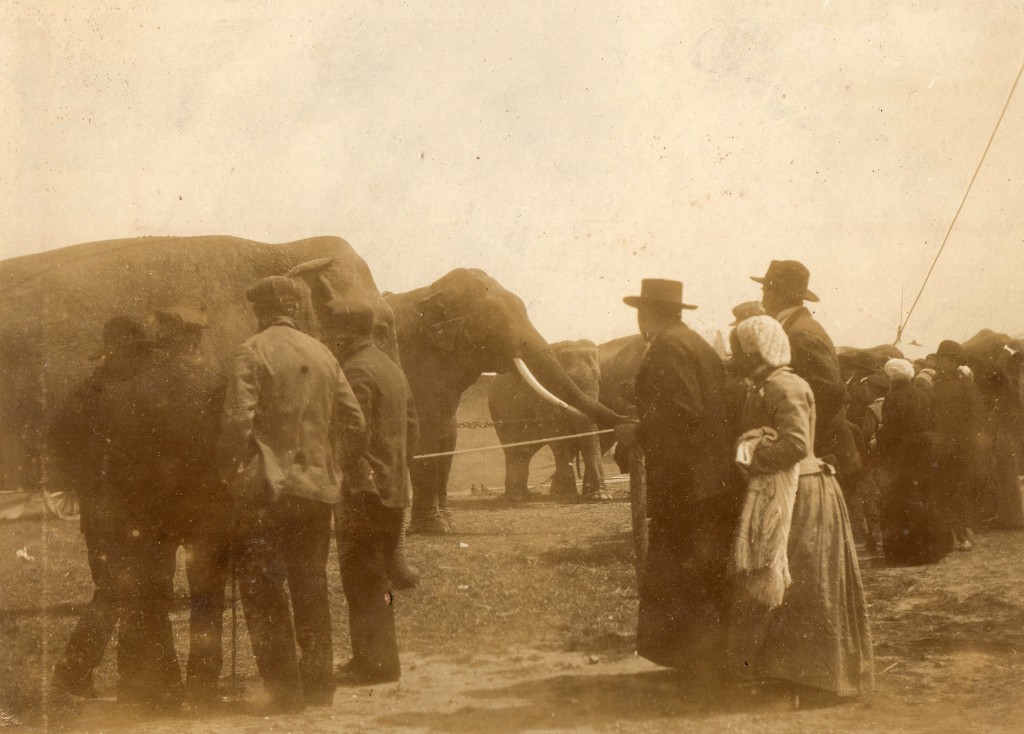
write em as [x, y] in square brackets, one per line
[438, 325]
[322, 274]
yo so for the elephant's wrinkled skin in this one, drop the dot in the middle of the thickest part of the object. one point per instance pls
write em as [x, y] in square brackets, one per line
[55, 304]
[521, 415]
[449, 333]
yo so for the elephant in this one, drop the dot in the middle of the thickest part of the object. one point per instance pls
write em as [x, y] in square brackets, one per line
[56, 302]
[519, 414]
[449, 333]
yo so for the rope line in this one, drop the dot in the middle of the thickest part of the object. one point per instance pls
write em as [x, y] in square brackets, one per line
[509, 445]
[899, 331]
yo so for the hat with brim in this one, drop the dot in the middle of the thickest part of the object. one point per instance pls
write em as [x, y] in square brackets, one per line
[950, 349]
[789, 276]
[123, 332]
[659, 292]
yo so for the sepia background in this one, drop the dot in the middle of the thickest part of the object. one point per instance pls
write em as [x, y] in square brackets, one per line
[567, 149]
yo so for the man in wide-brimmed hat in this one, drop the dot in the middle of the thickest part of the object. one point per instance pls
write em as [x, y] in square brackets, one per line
[958, 418]
[784, 291]
[691, 497]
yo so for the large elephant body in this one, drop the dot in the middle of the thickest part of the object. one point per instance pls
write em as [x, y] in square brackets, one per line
[56, 302]
[449, 333]
[521, 415]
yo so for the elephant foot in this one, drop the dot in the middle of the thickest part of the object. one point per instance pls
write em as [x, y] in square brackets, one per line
[519, 497]
[597, 494]
[431, 525]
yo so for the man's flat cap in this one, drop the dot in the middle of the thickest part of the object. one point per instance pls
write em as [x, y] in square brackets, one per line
[277, 288]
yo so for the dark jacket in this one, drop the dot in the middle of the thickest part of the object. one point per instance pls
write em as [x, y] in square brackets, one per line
[957, 418]
[161, 429]
[384, 396]
[906, 414]
[814, 359]
[683, 429]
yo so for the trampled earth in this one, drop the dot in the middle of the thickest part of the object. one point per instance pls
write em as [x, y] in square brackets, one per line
[524, 621]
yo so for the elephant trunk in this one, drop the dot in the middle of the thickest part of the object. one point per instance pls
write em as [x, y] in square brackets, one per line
[542, 372]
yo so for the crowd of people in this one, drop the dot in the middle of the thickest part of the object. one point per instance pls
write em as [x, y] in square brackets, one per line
[752, 570]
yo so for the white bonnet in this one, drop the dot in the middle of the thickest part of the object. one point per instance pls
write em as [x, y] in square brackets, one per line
[763, 335]
[899, 368]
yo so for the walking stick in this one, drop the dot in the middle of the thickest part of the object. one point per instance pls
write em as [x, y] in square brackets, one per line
[234, 630]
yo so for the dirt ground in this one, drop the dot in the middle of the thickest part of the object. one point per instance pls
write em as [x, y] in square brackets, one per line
[524, 621]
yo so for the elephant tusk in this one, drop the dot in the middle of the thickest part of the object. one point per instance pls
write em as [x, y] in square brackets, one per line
[534, 383]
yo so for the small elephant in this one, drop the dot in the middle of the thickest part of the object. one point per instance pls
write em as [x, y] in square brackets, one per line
[520, 415]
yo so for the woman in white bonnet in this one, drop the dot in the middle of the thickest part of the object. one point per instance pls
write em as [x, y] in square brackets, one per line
[818, 639]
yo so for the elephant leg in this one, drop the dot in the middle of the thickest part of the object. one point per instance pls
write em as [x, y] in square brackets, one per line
[517, 473]
[429, 481]
[563, 484]
[594, 488]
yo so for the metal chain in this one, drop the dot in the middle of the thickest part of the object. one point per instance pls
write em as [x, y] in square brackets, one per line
[492, 424]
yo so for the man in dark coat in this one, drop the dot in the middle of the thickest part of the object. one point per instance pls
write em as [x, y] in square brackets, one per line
[192, 394]
[81, 456]
[692, 498]
[376, 490]
[287, 409]
[909, 518]
[784, 290]
[958, 422]
[161, 432]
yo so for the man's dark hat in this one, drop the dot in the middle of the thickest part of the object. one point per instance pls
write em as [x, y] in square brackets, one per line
[789, 276]
[747, 310]
[181, 318]
[658, 292]
[951, 349]
[354, 316]
[123, 332]
[278, 288]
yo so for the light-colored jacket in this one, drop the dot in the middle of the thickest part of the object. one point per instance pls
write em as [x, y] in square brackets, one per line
[290, 409]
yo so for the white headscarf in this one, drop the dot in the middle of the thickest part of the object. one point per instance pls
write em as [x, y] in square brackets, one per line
[896, 369]
[763, 335]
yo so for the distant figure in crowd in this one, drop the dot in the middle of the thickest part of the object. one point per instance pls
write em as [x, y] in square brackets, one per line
[958, 418]
[287, 403]
[192, 392]
[691, 492]
[81, 456]
[818, 636]
[375, 491]
[925, 380]
[784, 290]
[911, 524]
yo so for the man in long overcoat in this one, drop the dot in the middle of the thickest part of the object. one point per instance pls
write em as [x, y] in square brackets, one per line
[784, 291]
[958, 422]
[80, 451]
[288, 414]
[692, 498]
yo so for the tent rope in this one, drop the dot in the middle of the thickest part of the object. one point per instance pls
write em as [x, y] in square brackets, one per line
[902, 326]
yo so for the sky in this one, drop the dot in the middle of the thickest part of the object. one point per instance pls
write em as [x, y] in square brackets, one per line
[568, 149]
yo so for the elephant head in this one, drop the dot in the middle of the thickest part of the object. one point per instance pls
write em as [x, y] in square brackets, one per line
[466, 323]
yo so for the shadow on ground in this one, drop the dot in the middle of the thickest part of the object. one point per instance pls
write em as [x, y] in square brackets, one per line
[581, 701]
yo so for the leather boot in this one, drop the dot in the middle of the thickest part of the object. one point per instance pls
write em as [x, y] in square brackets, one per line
[402, 575]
